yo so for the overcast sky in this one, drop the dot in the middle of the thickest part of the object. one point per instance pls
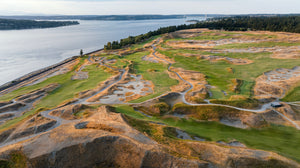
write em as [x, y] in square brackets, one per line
[104, 7]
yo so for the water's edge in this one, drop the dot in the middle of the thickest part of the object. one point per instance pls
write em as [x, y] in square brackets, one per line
[36, 73]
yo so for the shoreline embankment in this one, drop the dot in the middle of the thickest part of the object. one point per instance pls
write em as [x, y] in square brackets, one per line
[18, 82]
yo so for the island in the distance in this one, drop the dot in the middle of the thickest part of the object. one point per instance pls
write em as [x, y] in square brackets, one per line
[13, 24]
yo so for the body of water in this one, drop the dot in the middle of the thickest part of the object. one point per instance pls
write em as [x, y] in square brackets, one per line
[24, 51]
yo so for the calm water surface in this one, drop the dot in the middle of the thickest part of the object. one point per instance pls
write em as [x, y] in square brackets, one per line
[23, 51]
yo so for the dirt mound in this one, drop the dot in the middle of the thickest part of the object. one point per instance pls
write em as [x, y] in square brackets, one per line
[197, 79]
[67, 146]
[34, 125]
[240, 157]
[276, 83]
[78, 145]
[68, 112]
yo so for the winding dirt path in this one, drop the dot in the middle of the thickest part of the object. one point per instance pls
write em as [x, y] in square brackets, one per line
[60, 121]
[262, 109]
[288, 119]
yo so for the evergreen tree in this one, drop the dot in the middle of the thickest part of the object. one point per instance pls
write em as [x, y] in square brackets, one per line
[81, 52]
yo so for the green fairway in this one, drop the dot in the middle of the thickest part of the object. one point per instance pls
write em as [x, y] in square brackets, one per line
[280, 139]
[69, 88]
[155, 72]
[218, 76]
[66, 91]
[293, 95]
[229, 82]
[55, 79]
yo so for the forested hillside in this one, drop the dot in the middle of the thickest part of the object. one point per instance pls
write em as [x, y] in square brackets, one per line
[237, 23]
[10, 24]
[243, 23]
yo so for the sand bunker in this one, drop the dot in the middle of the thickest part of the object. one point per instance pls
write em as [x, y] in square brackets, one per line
[80, 75]
[129, 91]
[276, 83]
[150, 58]
[206, 43]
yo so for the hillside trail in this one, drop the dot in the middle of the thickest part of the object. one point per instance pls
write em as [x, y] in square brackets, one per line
[60, 121]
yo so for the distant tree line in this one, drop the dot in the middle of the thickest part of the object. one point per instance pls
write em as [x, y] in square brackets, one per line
[244, 23]
[132, 17]
[237, 23]
[96, 17]
[10, 24]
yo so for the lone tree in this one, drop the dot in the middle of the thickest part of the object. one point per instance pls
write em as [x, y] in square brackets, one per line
[81, 52]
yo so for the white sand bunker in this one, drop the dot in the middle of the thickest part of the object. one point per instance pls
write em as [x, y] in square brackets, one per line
[150, 58]
[276, 83]
[125, 92]
[283, 74]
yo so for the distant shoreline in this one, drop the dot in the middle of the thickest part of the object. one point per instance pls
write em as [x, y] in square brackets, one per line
[15, 24]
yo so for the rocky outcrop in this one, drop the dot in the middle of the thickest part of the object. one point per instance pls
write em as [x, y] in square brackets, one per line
[93, 145]
[111, 151]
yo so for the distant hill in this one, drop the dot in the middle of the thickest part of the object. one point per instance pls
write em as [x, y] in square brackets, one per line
[97, 17]
[11, 24]
[132, 17]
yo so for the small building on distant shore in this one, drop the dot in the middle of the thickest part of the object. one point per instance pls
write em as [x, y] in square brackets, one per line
[276, 104]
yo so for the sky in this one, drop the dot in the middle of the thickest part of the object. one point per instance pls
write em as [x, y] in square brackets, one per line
[107, 7]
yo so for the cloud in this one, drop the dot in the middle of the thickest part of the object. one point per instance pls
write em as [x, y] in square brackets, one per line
[72, 7]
